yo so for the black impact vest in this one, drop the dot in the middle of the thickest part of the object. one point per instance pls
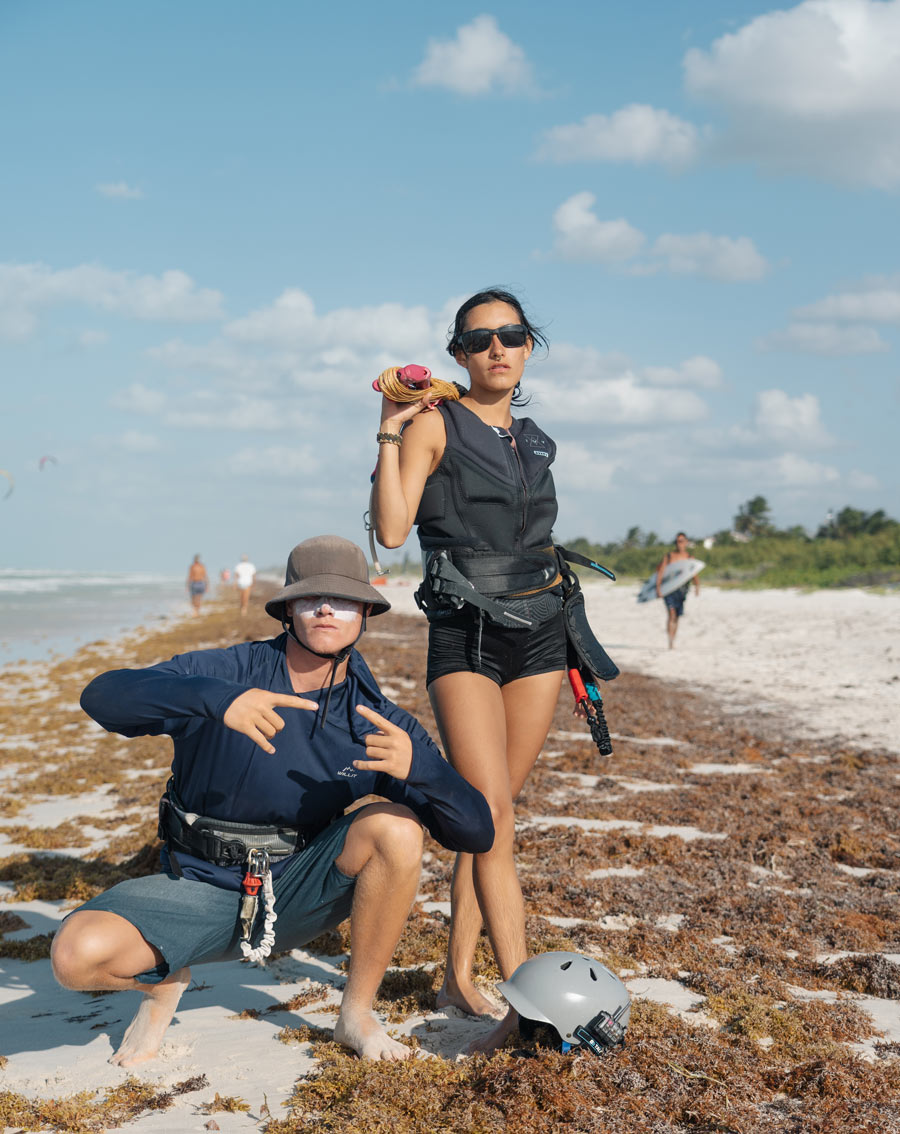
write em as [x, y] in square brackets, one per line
[484, 494]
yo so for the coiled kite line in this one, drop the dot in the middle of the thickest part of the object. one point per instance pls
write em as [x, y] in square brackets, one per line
[391, 384]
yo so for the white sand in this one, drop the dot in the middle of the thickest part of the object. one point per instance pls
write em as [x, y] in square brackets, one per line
[829, 661]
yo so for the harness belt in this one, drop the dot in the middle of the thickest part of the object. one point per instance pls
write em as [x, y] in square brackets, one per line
[457, 576]
[223, 843]
[454, 577]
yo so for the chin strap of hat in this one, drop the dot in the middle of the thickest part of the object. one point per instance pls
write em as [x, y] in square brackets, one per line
[336, 659]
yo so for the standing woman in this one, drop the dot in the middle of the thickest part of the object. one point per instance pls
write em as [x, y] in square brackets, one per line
[477, 483]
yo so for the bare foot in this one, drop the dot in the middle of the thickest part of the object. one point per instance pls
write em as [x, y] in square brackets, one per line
[364, 1034]
[145, 1032]
[495, 1037]
[471, 1001]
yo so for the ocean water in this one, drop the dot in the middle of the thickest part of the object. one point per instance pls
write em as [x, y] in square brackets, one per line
[45, 612]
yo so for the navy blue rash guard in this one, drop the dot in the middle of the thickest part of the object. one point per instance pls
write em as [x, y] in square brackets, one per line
[310, 779]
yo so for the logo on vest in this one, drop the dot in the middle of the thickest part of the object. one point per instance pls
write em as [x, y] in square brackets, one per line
[349, 773]
[540, 453]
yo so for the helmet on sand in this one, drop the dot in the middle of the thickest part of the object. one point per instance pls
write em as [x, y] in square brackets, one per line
[582, 999]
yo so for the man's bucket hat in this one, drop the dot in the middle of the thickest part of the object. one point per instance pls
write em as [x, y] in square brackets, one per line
[326, 565]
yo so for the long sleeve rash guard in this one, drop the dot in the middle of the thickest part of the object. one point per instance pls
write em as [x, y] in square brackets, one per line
[310, 779]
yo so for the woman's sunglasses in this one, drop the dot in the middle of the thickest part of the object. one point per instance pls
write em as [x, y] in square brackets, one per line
[474, 342]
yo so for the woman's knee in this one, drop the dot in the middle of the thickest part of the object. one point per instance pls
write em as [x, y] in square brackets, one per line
[504, 817]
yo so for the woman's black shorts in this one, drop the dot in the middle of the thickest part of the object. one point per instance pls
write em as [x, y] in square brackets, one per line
[505, 654]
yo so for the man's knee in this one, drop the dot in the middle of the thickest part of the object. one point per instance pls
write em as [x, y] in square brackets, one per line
[389, 830]
[88, 943]
[78, 949]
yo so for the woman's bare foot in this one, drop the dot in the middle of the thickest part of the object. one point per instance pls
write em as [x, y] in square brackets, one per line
[362, 1032]
[471, 1000]
[495, 1037]
[145, 1032]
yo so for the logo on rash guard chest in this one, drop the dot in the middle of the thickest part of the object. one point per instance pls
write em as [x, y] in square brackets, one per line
[349, 773]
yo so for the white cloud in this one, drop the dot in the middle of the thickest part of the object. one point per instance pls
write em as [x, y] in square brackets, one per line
[697, 371]
[135, 442]
[480, 60]
[89, 339]
[876, 301]
[28, 289]
[796, 421]
[581, 236]
[345, 338]
[209, 409]
[862, 481]
[826, 339]
[583, 468]
[274, 461]
[119, 189]
[793, 471]
[702, 254]
[636, 133]
[814, 89]
[588, 387]
[139, 399]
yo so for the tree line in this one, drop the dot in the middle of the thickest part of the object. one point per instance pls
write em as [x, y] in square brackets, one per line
[851, 548]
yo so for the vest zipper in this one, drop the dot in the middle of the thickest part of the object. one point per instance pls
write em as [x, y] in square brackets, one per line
[515, 451]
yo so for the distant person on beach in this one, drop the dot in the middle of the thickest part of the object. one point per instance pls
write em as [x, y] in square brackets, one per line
[244, 576]
[232, 802]
[197, 583]
[675, 601]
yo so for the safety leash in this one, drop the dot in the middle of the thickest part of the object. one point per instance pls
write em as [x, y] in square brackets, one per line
[258, 877]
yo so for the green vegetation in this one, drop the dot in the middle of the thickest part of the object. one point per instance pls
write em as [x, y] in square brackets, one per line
[853, 548]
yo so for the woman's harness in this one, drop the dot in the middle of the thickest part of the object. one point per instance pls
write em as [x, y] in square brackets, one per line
[508, 589]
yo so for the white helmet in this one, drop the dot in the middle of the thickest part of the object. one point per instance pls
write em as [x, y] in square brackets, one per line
[582, 999]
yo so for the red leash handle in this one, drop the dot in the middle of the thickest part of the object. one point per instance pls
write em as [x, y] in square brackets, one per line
[578, 689]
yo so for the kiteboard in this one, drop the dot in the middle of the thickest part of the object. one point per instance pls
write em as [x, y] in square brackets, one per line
[676, 574]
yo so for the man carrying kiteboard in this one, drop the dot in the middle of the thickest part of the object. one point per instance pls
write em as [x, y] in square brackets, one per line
[261, 845]
[675, 601]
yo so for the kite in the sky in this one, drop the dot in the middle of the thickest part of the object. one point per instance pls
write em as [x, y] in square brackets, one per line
[44, 460]
[12, 483]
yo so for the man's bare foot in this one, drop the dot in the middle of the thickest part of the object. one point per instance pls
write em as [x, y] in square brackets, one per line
[495, 1037]
[145, 1032]
[362, 1032]
[471, 1001]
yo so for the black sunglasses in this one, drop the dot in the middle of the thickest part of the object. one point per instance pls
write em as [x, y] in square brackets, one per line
[474, 342]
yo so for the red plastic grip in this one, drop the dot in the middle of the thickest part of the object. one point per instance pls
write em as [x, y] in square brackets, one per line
[577, 684]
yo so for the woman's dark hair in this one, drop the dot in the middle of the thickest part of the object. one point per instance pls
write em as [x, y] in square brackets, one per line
[495, 295]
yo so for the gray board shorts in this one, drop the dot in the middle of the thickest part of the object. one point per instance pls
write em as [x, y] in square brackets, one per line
[195, 923]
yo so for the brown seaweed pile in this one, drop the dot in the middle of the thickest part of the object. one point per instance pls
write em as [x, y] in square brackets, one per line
[753, 869]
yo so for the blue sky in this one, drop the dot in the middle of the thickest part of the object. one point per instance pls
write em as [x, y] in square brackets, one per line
[222, 220]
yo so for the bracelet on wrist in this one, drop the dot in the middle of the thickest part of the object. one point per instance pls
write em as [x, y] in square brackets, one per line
[388, 438]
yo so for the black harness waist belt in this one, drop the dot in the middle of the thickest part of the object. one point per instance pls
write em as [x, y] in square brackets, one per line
[454, 577]
[494, 574]
[224, 843]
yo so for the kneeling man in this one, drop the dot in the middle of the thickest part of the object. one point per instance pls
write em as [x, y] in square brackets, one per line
[251, 831]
